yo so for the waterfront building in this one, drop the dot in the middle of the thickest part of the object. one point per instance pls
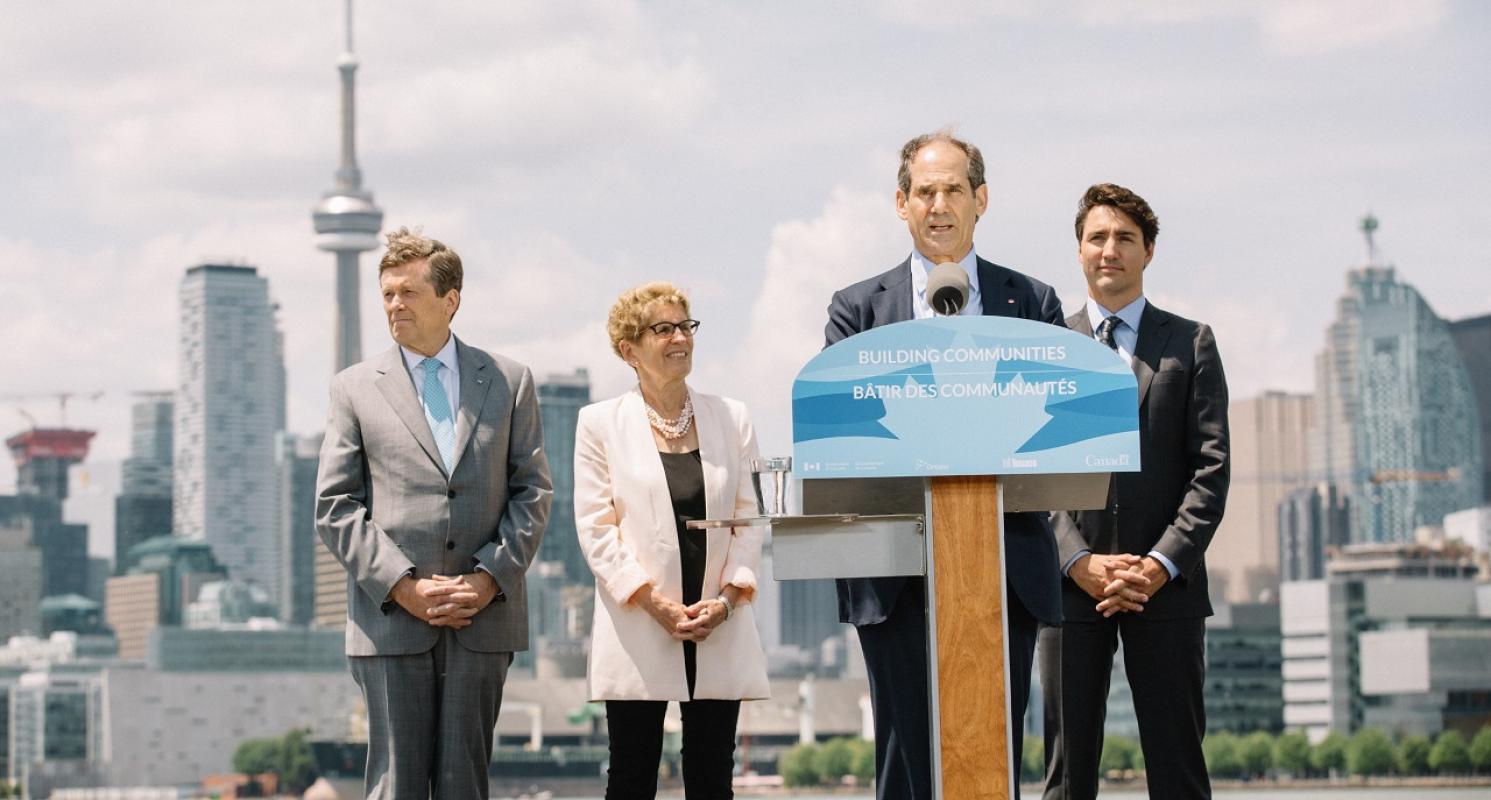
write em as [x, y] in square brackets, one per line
[1367, 588]
[228, 602]
[230, 403]
[71, 612]
[20, 578]
[1396, 423]
[246, 648]
[560, 398]
[43, 457]
[1473, 337]
[296, 460]
[53, 717]
[167, 575]
[1423, 681]
[143, 508]
[1311, 521]
[1244, 675]
[1270, 459]
[173, 728]
[809, 617]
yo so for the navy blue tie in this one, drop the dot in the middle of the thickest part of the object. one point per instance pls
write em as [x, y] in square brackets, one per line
[1105, 332]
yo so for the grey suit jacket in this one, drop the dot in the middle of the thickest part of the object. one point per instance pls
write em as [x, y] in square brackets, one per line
[385, 505]
[1173, 505]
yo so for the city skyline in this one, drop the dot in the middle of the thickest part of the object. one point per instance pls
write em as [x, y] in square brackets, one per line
[569, 155]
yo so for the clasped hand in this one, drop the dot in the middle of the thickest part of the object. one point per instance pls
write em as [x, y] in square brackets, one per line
[1122, 582]
[691, 623]
[446, 601]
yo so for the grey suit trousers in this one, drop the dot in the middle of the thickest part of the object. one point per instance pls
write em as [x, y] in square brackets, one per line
[430, 720]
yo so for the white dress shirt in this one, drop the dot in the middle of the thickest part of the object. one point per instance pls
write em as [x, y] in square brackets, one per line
[449, 373]
[1126, 336]
[921, 268]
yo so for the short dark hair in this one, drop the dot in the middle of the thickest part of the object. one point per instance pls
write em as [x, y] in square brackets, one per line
[406, 246]
[1115, 196]
[911, 148]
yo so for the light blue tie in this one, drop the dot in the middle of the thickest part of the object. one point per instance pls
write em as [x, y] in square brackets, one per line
[437, 413]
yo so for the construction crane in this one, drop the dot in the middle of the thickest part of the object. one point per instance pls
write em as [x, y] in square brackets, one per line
[1406, 475]
[62, 399]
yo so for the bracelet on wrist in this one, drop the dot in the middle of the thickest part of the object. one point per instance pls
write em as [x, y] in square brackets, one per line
[725, 601]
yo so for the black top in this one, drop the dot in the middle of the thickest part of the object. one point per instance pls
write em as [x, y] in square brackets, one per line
[686, 486]
[685, 473]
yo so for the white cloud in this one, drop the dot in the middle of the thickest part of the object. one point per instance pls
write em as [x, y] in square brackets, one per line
[855, 237]
[1295, 27]
[203, 96]
[1257, 339]
[542, 301]
[543, 100]
[1322, 26]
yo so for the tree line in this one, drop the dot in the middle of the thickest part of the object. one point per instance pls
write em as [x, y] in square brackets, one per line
[287, 757]
[1262, 755]
[1256, 756]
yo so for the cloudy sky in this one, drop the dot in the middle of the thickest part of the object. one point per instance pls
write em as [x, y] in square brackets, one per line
[745, 150]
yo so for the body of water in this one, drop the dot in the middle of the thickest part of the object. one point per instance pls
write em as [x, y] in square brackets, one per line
[1320, 793]
[1342, 792]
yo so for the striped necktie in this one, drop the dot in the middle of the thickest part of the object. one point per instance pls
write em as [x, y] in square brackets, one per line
[1105, 332]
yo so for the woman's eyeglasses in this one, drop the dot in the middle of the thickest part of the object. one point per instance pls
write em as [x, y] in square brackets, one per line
[666, 329]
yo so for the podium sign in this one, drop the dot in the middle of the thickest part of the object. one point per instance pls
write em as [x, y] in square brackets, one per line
[964, 396]
[966, 407]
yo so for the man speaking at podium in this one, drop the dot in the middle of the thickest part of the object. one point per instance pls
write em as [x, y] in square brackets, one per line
[941, 194]
[1136, 569]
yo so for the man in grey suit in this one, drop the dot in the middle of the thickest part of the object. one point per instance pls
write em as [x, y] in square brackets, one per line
[1136, 570]
[433, 492]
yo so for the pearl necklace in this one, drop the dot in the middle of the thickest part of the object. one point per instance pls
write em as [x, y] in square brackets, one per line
[672, 428]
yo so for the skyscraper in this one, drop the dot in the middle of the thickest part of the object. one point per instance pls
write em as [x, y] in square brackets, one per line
[20, 577]
[1270, 458]
[1473, 337]
[1396, 424]
[229, 403]
[1312, 521]
[43, 457]
[143, 508]
[560, 398]
[346, 220]
[296, 460]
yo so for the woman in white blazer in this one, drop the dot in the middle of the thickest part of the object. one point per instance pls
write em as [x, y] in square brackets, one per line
[673, 618]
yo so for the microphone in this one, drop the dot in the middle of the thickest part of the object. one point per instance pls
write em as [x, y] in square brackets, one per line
[947, 289]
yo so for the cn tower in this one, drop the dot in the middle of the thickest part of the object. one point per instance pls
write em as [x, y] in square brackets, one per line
[347, 221]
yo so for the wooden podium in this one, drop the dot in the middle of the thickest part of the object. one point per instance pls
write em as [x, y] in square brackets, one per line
[950, 530]
[911, 442]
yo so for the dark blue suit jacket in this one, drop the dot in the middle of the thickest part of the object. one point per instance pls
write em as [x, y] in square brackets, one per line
[1029, 550]
[1175, 503]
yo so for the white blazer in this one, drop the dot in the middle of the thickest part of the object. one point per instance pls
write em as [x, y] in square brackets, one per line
[624, 516]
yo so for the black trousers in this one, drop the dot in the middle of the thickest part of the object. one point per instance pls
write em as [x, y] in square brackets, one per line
[896, 659]
[636, 731]
[1166, 664]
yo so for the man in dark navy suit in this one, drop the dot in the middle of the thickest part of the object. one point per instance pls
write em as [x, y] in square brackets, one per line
[941, 195]
[1136, 570]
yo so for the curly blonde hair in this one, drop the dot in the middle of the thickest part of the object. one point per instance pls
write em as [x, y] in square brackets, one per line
[628, 316]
